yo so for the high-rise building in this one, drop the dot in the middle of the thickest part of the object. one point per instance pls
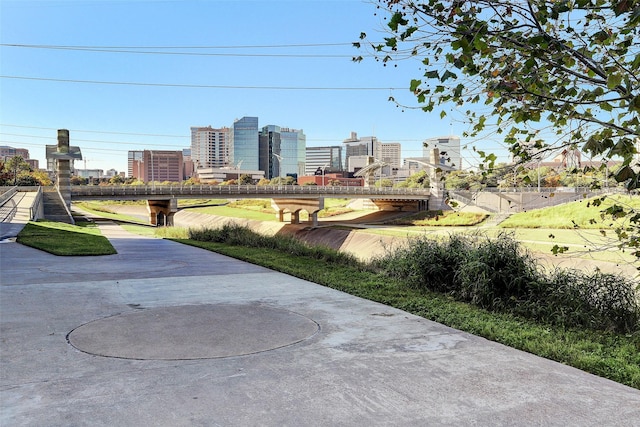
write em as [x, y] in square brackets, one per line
[189, 166]
[449, 148]
[282, 151]
[365, 146]
[328, 159]
[156, 165]
[270, 151]
[293, 144]
[246, 150]
[7, 152]
[391, 153]
[210, 147]
[134, 164]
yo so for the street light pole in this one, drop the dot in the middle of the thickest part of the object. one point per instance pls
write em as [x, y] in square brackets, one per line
[323, 168]
[153, 181]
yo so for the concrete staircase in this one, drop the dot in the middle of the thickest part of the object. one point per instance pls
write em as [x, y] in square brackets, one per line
[54, 207]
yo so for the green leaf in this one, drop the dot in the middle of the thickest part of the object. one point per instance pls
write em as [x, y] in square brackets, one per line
[614, 80]
[433, 74]
[448, 75]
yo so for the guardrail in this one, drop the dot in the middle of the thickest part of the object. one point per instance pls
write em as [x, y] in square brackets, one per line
[535, 189]
[36, 211]
[7, 193]
[242, 190]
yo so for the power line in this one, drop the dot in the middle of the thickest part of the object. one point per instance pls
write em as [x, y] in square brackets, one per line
[198, 86]
[251, 55]
[99, 131]
[92, 140]
[275, 46]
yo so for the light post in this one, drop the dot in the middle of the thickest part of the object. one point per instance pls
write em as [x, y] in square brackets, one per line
[153, 181]
[280, 160]
[323, 168]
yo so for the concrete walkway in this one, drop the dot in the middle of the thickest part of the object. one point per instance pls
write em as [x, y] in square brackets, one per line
[169, 335]
[15, 213]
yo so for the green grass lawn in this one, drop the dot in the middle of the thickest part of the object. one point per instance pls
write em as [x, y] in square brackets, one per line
[582, 214]
[58, 238]
[101, 209]
[442, 219]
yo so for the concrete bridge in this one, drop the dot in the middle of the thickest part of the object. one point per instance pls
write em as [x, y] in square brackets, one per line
[162, 201]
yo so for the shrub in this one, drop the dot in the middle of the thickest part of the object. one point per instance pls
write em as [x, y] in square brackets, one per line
[497, 273]
[594, 300]
[426, 263]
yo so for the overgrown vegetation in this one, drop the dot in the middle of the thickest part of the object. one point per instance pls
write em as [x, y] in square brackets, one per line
[498, 275]
[234, 234]
[591, 322]
[58, 238]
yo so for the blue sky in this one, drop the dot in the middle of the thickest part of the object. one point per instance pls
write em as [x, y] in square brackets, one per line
[315, 87]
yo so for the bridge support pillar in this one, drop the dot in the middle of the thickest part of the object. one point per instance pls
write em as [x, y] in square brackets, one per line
[312, 206]
[161, 212]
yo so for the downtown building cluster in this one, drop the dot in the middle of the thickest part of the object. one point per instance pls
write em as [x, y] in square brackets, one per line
[271, 151]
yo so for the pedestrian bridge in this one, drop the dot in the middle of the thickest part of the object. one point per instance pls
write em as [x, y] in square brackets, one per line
[162, 200]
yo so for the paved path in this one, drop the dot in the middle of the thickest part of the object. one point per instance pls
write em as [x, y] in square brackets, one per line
[15, 213]
[168, 335]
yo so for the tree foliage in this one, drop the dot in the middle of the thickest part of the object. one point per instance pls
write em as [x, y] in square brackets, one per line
[570, 64]
[528, 67]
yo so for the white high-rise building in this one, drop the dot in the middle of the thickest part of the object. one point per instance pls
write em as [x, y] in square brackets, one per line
[391, 153]
[327, 159]
[210, 148]
[365, 146]
[449, 148]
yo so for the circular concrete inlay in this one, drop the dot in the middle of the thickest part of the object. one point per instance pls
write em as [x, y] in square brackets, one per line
[192, 332]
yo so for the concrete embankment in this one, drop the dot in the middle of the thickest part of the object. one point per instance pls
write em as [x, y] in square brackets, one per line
[358, 242]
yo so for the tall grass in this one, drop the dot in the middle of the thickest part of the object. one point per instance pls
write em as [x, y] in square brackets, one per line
[234, 234]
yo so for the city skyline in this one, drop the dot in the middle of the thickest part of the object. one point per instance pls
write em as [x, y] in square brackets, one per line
[112, 74]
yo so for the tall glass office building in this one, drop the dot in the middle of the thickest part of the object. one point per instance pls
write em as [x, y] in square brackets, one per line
[282, 151]
[293, 146]
[246, 143]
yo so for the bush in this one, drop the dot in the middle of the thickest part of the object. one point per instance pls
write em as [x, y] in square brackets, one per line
[426, 263]
[598, 301]
[497, 274]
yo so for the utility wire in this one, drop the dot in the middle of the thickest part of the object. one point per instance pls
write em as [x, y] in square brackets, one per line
[275, 46]
[99, 131]
[138, 50]
[199, 86]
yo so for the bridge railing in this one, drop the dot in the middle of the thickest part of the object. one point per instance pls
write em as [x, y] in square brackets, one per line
[7, 193]
[233, 190]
